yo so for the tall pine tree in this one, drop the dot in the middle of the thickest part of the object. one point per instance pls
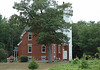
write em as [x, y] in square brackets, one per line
[45, 17]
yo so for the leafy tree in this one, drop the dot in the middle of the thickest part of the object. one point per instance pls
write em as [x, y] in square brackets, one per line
[9, 34]
[3, 54]
[0, 18]
[98, 48]
[16, 30]
[45, 17]
[86, 37]
[77, 51]
[2, 45]
[5, 35]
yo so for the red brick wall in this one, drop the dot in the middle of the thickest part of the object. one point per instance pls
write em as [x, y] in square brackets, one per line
[60, 55]
[52, 51]
[36, 49]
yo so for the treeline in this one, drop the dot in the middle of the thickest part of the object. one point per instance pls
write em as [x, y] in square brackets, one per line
[10, 31]
[86, 38]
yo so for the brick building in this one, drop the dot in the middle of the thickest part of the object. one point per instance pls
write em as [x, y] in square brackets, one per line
[28, 46]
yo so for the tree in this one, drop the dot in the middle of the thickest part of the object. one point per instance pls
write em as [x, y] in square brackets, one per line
[98, 48]
[10, 32]
[86, 37]
[16, 30]
[77, 51]
[5, 35]
[45, 17]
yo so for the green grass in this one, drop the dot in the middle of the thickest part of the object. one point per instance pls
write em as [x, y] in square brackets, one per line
[93, 65]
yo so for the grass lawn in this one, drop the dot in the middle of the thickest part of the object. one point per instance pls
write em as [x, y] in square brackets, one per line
[93, 65]
[24, 66]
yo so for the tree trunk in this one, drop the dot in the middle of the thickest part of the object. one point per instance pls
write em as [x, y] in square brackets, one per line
[49, 53]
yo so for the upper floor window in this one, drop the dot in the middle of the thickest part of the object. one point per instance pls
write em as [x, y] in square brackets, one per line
[43, 48]
[29, 48]
[59, 48]
[29, 36]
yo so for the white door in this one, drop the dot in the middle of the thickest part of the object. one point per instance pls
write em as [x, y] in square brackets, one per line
[64, 54]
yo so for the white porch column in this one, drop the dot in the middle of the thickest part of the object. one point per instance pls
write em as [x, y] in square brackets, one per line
[14, 55]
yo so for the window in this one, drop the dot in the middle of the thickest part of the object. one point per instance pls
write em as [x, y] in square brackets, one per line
[29, 58]
[29, 36]
[43, 57]
[59, 48]
[54, 57]
[43, 49]
[29, 48]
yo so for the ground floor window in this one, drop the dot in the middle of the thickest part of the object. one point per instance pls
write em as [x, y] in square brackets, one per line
[59, 48]
[43, 58]
[29, 58]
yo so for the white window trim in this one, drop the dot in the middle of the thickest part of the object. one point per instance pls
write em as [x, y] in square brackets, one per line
[29, 45]
[41, 49]
[29, 33]
[54, 57]
[59, 51]
[54, 48]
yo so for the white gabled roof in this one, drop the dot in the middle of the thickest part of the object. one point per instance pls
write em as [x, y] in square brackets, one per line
[24, 31]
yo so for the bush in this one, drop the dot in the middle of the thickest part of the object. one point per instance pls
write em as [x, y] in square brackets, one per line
[23, 58]
[76, 61]
[3, 54]
[83, 64]
[33, 65]
[11, 61]
[97, 55]
[98, 51]
[4, 60]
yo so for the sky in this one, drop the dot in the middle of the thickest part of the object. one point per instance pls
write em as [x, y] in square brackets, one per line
[86, 10]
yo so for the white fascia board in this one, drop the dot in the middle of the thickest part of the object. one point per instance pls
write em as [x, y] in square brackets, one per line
[19, 43]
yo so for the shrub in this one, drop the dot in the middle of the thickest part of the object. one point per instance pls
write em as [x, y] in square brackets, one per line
[4, 60]
[98, 51]
[23, 58]
[97, 55]
[83, 64]
[33, 65]
[11, 60]
[76, 61]
[88, 57]
[3, 54]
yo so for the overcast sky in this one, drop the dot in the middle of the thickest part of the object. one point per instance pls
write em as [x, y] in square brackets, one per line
[87, 10]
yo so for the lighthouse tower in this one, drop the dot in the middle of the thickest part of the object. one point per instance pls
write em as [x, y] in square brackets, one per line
[69, 34]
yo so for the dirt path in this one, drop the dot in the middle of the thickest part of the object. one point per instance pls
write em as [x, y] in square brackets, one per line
[23, 66]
